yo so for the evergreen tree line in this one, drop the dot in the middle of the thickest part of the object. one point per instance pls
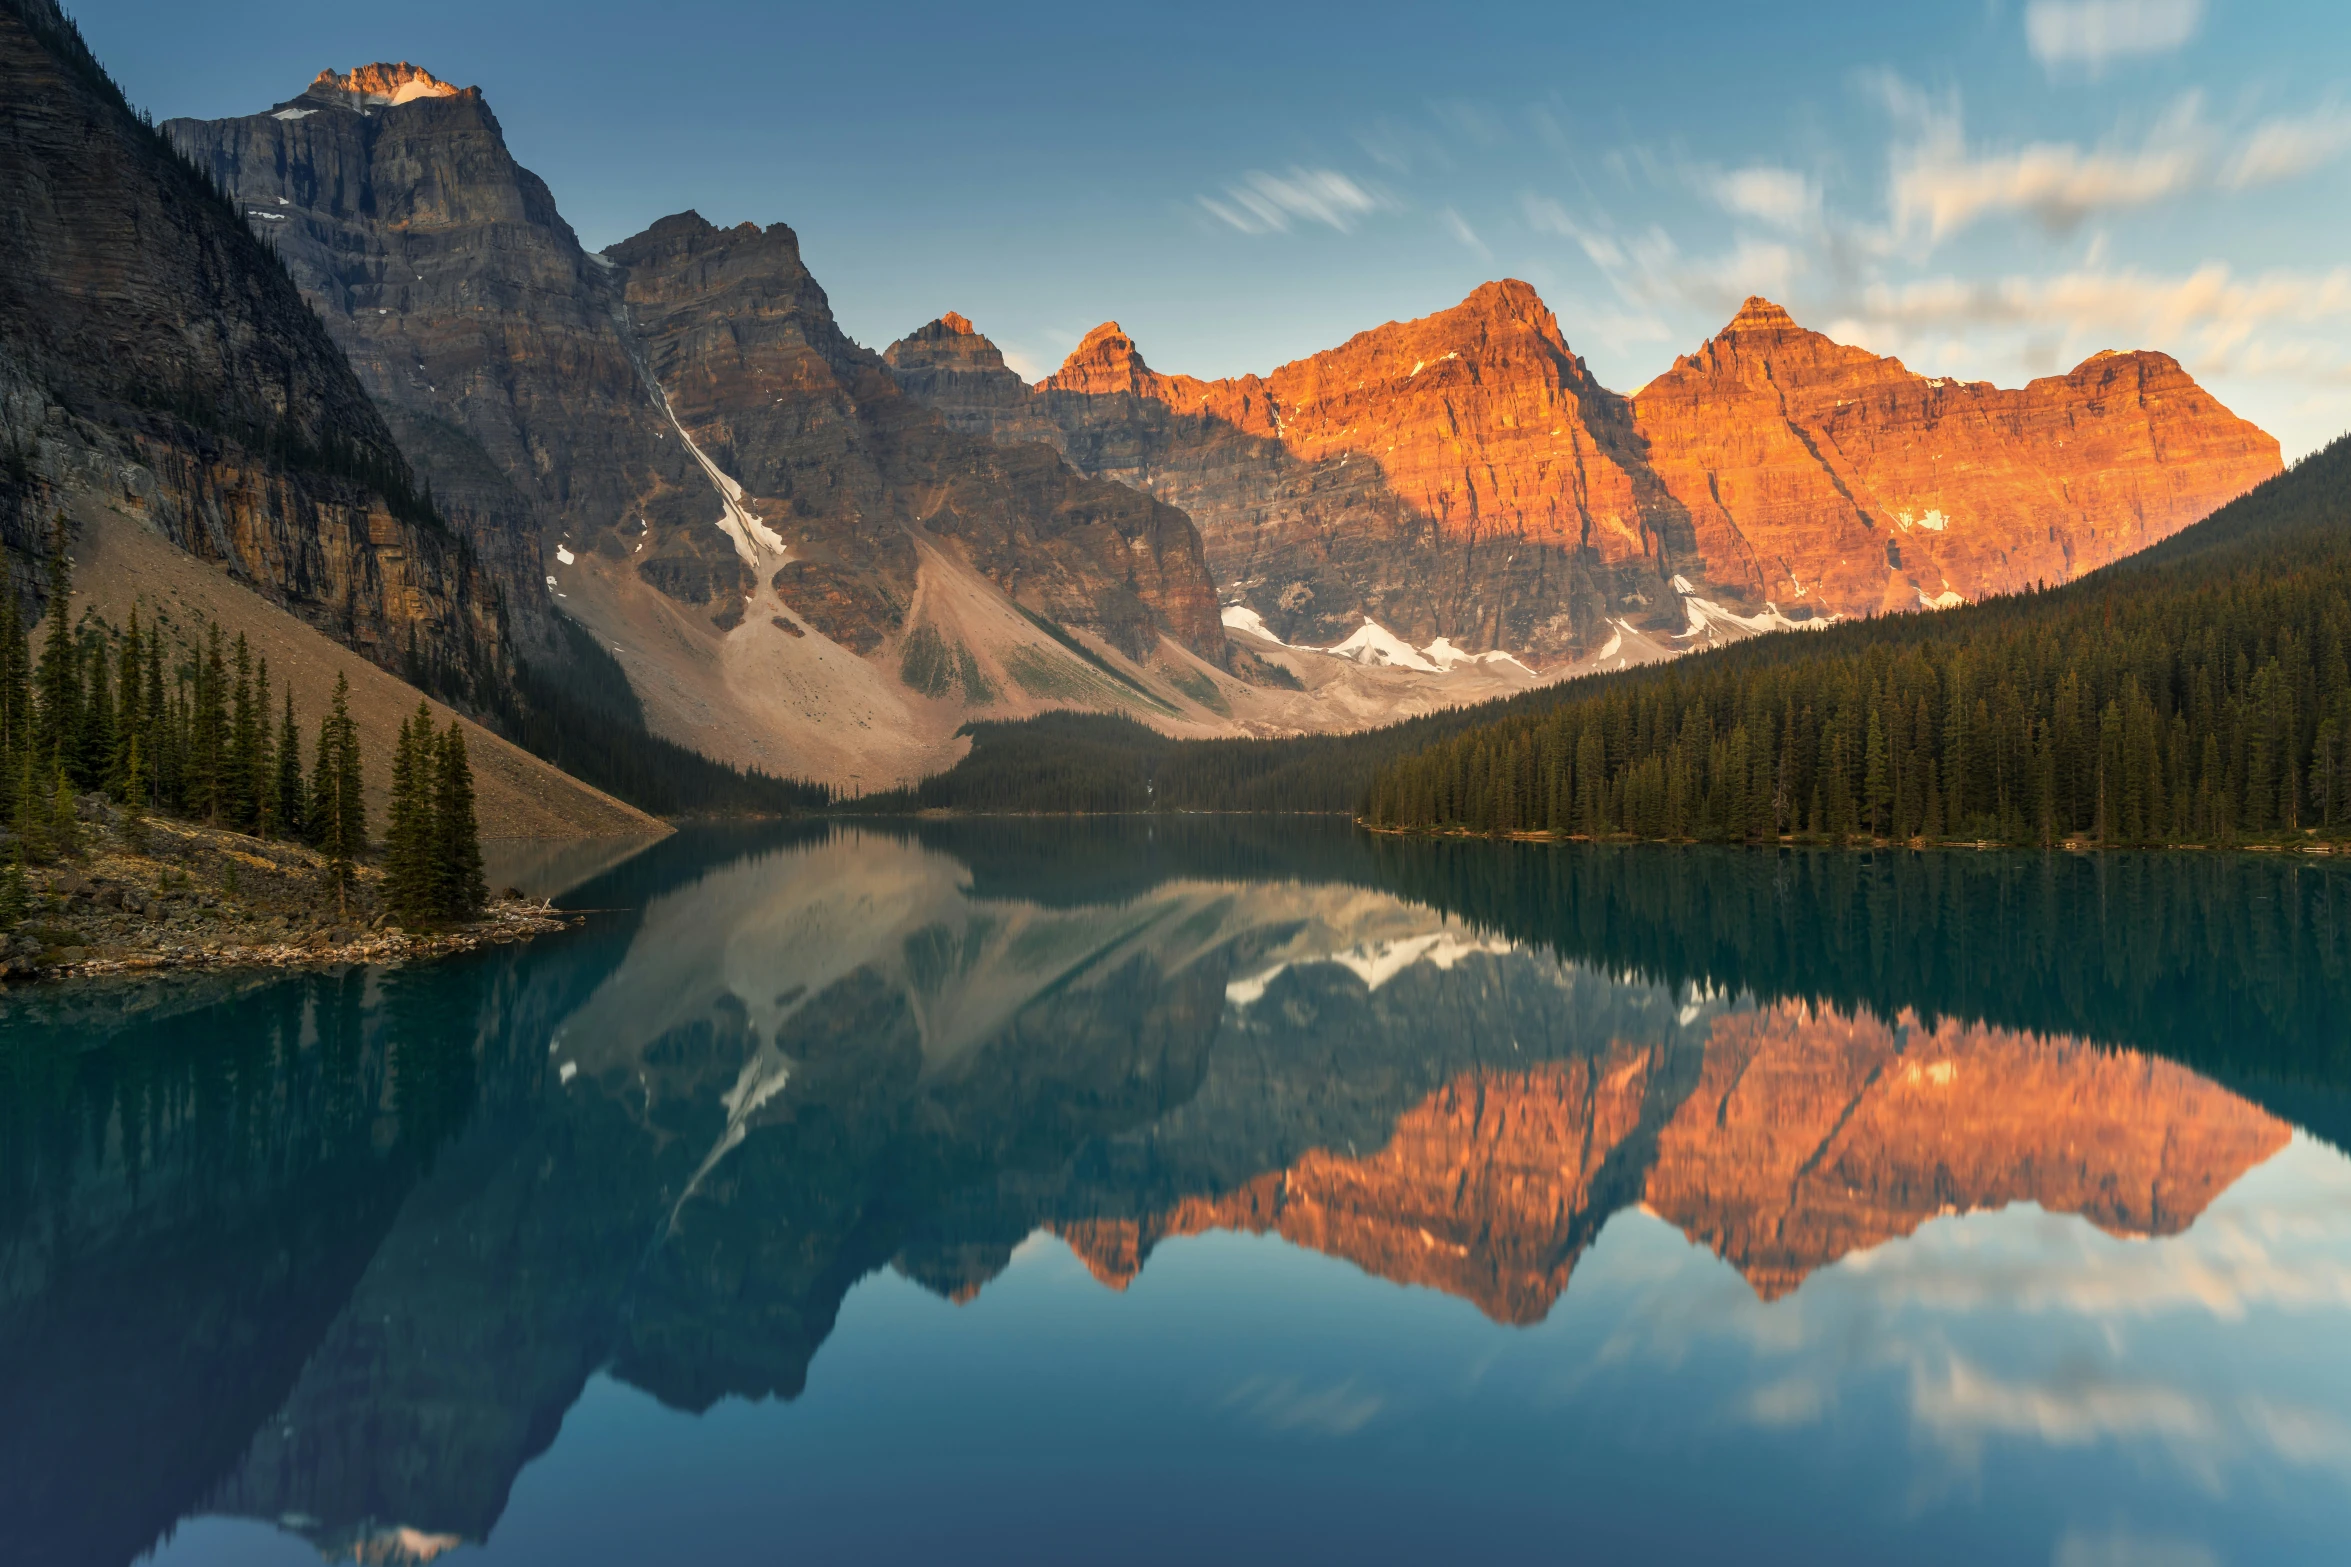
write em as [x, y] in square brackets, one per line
[2206, 699]
[196, 732]
[432, 848]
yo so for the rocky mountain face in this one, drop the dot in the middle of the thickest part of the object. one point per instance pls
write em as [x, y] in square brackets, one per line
[490, 338]
[1824, 474]
[1464, 477]
[1807, 1137]
[799, 567]
[1460, 476]
[156, 362]
[845, 470]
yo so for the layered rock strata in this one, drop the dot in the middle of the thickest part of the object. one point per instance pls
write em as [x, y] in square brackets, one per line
[491, 339]
[683, 405]
[845, 471]
[156, 362]
[1808, 1136]
[1825, 474]
[1463, 476]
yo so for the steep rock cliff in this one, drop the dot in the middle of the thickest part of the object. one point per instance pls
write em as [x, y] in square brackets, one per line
[1820, 473]
[1808, 1136]
[1464, 476]
[844, 468]
[676, 440]
[488, 336]
[1459, 476]
[1811, 1136]
[155, 361]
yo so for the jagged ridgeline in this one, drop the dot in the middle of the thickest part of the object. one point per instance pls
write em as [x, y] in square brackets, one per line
[2195, 693]
[160, 369]
[2200, 693]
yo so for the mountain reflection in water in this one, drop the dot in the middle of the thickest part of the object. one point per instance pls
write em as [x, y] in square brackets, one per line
[340, 1252]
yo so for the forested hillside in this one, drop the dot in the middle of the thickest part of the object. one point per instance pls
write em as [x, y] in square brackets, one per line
[2200, 693]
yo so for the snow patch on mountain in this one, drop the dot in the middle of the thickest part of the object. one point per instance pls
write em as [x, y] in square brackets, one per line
[1377, 962]
[1240, 617]
[738, 522]
[1375, 645]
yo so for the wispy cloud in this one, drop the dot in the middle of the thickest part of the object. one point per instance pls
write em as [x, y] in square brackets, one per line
[2212, 306]
[1458, 226]
[2094, 33]
[2285, 149]
[1781, 197]
[1286, 1404]
[1938, 184]
[1263, 203]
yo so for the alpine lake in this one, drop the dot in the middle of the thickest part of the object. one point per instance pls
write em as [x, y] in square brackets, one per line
[1210, 1189]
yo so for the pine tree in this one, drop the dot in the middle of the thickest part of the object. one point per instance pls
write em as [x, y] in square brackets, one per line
[162, 734]
[30, 818]
[134, 798]
[458, 860]
[293, 818]
[411, 878]
[16, 704]
[129, 718]
[208, 731]
[58, 677]
[65, 823]
[338, 810]
[258, 759]
[95, 748]
[240, 787]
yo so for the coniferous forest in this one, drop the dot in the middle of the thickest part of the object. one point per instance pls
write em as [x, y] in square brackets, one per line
[194, 731]
[2199, 693]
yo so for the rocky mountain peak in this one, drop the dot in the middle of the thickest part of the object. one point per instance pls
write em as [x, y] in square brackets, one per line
[1506, 299]
[381, 84]
[951, 344]
[1106, 360]
[1759, 314]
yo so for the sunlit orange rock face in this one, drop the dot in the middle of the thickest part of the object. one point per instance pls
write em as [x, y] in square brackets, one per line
[1807, 1138]
[1813, 472]
[1486, 1190]
[1459, 475]
[1464, 475]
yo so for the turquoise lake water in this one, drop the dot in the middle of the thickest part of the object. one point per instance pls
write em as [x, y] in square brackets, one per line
[1211, 1190]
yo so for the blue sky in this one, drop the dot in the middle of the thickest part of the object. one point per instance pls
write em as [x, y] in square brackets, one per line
[1992, 189]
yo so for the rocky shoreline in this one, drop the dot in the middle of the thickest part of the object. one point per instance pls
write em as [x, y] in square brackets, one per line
[159, 895]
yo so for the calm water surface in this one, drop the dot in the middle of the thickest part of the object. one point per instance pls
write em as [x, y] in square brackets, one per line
[1212, 1191]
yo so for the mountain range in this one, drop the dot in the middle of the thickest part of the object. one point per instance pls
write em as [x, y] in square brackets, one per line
[663, 474]
[812, 558]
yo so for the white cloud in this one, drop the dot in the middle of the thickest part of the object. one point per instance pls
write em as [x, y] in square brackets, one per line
[1939, 185]
[2092, 33]
[2285, 149]
[2129, 308]
[1458, 226]
[1780, 197]
[1262, 203]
